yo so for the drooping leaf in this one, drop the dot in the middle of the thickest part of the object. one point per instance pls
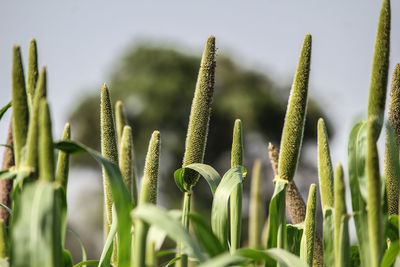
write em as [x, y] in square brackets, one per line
[209, 173]
[159, 217]
[205, 235]
[120, 195]
[391, 254]
[4, 109]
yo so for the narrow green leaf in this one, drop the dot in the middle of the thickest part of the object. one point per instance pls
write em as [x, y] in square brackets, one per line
[244, 256]
[357, 180]
[391, 254]
[84, 263]
[105, 258]
[169, 263]
[4, 109]
[392, 230]
[83, 251]
[205, 235]
[328, 237]
[159, 217]
[157, 235]
[342, 258]
[120, 197]
[219, 211]
[277, 216]
[36, 230]
[294, 234]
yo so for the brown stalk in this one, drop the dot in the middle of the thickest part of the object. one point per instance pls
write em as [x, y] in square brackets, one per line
[6, 184]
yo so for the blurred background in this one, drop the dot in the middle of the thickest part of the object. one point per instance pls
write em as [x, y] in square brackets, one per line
[149, 55]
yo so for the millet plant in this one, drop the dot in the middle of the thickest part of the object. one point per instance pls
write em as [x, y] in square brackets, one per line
[33, 186]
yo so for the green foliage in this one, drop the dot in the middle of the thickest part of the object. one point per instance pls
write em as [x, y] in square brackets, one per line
[136, 227]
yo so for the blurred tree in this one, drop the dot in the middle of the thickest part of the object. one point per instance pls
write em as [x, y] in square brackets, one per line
[156, 85]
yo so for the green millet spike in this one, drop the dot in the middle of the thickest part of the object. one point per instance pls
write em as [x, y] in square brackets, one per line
[20, 118]
[148, 192]
[108, 145]
[127, 164]
[374, 195]
[293, 127]
[120, 120]
[325, 169]
[308, 238]
[256, 207]
[236, 195]
[33, 71]
[63, 161]
[340, 205]
[200, 113]
[32, 140]
[46, 153]
[380, 68]
[391, 165]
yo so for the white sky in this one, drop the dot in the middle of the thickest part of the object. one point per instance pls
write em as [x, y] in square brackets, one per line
[80, 40]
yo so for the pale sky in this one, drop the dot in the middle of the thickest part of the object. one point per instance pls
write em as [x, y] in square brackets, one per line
[80, 40]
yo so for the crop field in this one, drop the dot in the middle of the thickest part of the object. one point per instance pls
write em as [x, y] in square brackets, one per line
[36, 164]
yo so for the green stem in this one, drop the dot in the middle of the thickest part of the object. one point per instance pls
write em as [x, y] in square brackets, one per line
[185, 222]
[256, 207]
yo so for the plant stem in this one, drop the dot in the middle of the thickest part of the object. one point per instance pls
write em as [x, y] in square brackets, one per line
[185, 222]
[7, 184]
